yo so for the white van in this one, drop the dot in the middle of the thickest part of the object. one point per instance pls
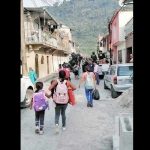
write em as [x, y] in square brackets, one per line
[26, 90]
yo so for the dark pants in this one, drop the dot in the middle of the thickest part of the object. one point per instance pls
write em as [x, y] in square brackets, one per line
[60, 109]
[39, 118]
[97, 78]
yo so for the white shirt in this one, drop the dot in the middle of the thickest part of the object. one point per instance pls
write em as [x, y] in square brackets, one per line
[105, 67]
[96, 68]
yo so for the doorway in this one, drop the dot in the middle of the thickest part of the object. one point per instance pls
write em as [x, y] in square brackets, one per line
[37, 65]
[129, 51]
[47, 64]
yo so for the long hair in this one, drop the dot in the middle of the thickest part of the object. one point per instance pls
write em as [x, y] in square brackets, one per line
[87, 68]
[39, 86]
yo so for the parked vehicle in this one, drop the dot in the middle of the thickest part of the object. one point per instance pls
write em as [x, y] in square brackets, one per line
[118, 78]
[131, 77]
[26, 91]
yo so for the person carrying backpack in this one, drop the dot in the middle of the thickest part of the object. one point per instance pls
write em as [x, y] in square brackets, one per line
[59, 89]
[76, 71]
[40, 103]
[67, 72]
[89, 82]
[94, 57]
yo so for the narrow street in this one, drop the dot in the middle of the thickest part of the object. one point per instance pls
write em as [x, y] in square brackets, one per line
[87, 128]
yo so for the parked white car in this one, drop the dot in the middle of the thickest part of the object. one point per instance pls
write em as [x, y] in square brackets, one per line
[26, 91]
[118, 78]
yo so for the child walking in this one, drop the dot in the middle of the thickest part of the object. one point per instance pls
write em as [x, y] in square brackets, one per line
[40, 104]
[59, 91]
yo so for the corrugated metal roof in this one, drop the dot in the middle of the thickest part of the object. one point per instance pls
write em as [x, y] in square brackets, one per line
[41, 10]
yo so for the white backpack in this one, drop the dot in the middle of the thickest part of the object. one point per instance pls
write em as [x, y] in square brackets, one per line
[89, 82]
[61, 94]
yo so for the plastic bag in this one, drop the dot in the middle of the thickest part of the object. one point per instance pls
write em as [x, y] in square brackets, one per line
[96, 95]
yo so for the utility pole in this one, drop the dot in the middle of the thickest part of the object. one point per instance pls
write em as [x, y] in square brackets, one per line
[22, 36]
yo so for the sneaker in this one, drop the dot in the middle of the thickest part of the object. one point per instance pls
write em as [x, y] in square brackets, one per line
[41, 132]
[88, 105]
[91, 105]
[57, 128]
[37, 129]
[63, 128]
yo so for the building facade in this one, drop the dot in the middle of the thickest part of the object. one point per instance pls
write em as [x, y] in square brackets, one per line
[129, 39]
[45, 46]
[117, 34]
[103, 45]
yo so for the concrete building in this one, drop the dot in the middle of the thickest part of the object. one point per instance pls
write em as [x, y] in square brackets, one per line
[103, 44]
[117, 33]
[45, 46]
[129, 39]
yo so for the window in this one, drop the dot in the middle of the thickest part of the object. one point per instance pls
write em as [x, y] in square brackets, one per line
[42, 60]
[120, 56]
[101, 44]
[125, 70]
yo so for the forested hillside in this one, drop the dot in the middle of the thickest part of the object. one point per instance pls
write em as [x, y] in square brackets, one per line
[87, 18]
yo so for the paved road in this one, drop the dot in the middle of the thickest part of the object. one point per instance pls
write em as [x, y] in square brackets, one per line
[87, 128]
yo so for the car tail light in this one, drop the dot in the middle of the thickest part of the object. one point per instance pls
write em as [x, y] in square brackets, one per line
[115, 80]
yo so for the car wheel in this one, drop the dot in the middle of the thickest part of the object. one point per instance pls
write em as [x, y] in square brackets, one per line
[114, 94]
[27, 99]
[105, 87]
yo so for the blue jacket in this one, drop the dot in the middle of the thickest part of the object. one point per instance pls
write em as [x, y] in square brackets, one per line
[32, 76]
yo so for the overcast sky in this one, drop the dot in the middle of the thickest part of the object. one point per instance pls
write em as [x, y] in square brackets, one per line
[39, 3]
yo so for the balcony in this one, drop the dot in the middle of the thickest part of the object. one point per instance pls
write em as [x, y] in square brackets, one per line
[41, 38]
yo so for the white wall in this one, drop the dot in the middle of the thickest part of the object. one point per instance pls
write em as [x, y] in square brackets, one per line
[42, 67]
[122, 47]
[124, 17]
[30, 60]
[53, 42]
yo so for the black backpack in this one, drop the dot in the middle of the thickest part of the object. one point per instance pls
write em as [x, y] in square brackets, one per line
[94, 57]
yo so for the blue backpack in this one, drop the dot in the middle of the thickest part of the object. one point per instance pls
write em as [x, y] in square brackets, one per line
[39, 101]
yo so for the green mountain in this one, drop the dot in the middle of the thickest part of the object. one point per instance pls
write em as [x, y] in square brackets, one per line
[86, 18]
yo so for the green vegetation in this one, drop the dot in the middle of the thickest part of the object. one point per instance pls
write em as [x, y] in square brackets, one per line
[87, 19]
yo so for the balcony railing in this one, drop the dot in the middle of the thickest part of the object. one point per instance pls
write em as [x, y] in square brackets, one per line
[41, 38]
[45, 38]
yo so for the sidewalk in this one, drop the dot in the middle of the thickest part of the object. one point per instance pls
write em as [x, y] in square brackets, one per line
[44, 79]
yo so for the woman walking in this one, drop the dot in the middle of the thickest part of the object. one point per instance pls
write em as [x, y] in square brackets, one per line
[89, 82]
